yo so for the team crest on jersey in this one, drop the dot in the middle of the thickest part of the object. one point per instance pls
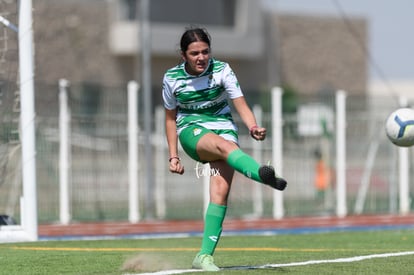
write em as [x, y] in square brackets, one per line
[196, 131]
[211, 81]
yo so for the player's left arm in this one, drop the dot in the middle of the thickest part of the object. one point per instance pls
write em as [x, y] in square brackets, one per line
[232, 86]
[247, 116]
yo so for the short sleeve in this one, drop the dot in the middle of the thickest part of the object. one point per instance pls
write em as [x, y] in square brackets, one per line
[231, 83]
[170, 102]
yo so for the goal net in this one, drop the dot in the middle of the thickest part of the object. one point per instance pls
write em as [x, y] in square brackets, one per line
[16, 223]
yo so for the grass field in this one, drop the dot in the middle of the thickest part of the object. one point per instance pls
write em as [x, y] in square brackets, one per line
[276, 254]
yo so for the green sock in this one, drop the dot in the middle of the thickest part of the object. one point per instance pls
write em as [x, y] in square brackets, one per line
[213, 225]
[244, 164]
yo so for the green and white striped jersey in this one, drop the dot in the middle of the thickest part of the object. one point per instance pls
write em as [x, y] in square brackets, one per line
[202, 99]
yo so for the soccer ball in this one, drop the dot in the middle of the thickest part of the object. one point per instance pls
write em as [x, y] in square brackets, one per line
[400, 127]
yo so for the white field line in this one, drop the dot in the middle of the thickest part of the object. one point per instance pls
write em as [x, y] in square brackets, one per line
[339, 260]
[343, 260]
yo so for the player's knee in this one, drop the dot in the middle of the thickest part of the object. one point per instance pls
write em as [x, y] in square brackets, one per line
[219, 190]
[225, 147]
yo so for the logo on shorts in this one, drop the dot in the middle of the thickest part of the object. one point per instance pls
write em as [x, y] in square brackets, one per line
[196, 131]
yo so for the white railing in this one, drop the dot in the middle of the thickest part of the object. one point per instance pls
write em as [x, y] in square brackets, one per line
[256, 195]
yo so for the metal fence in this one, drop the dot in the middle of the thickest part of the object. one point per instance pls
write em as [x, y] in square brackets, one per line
[99, 161]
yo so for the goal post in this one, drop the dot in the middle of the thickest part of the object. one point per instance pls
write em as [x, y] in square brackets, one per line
[27, 230]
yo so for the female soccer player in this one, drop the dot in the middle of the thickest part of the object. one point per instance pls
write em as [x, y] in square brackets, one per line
[196, 94]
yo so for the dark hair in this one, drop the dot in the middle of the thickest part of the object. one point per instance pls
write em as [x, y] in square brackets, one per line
[192, 35]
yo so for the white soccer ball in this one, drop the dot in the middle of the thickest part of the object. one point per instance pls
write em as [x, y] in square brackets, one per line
[400, 127]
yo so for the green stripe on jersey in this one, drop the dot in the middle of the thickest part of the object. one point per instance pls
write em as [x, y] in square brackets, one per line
[188, 97]
[201, 118]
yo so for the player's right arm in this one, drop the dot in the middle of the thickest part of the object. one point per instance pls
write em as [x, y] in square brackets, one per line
[172, 140]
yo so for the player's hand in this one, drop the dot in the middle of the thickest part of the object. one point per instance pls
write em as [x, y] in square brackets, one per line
[258, 133]
[176, 166]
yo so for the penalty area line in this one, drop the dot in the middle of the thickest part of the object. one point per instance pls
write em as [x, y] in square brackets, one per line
[342, 260]
[339, 260]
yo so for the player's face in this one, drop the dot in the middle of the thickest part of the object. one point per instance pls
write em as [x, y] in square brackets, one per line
[197, 57]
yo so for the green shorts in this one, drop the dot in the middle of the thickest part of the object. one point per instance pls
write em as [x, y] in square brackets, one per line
[190, 136]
